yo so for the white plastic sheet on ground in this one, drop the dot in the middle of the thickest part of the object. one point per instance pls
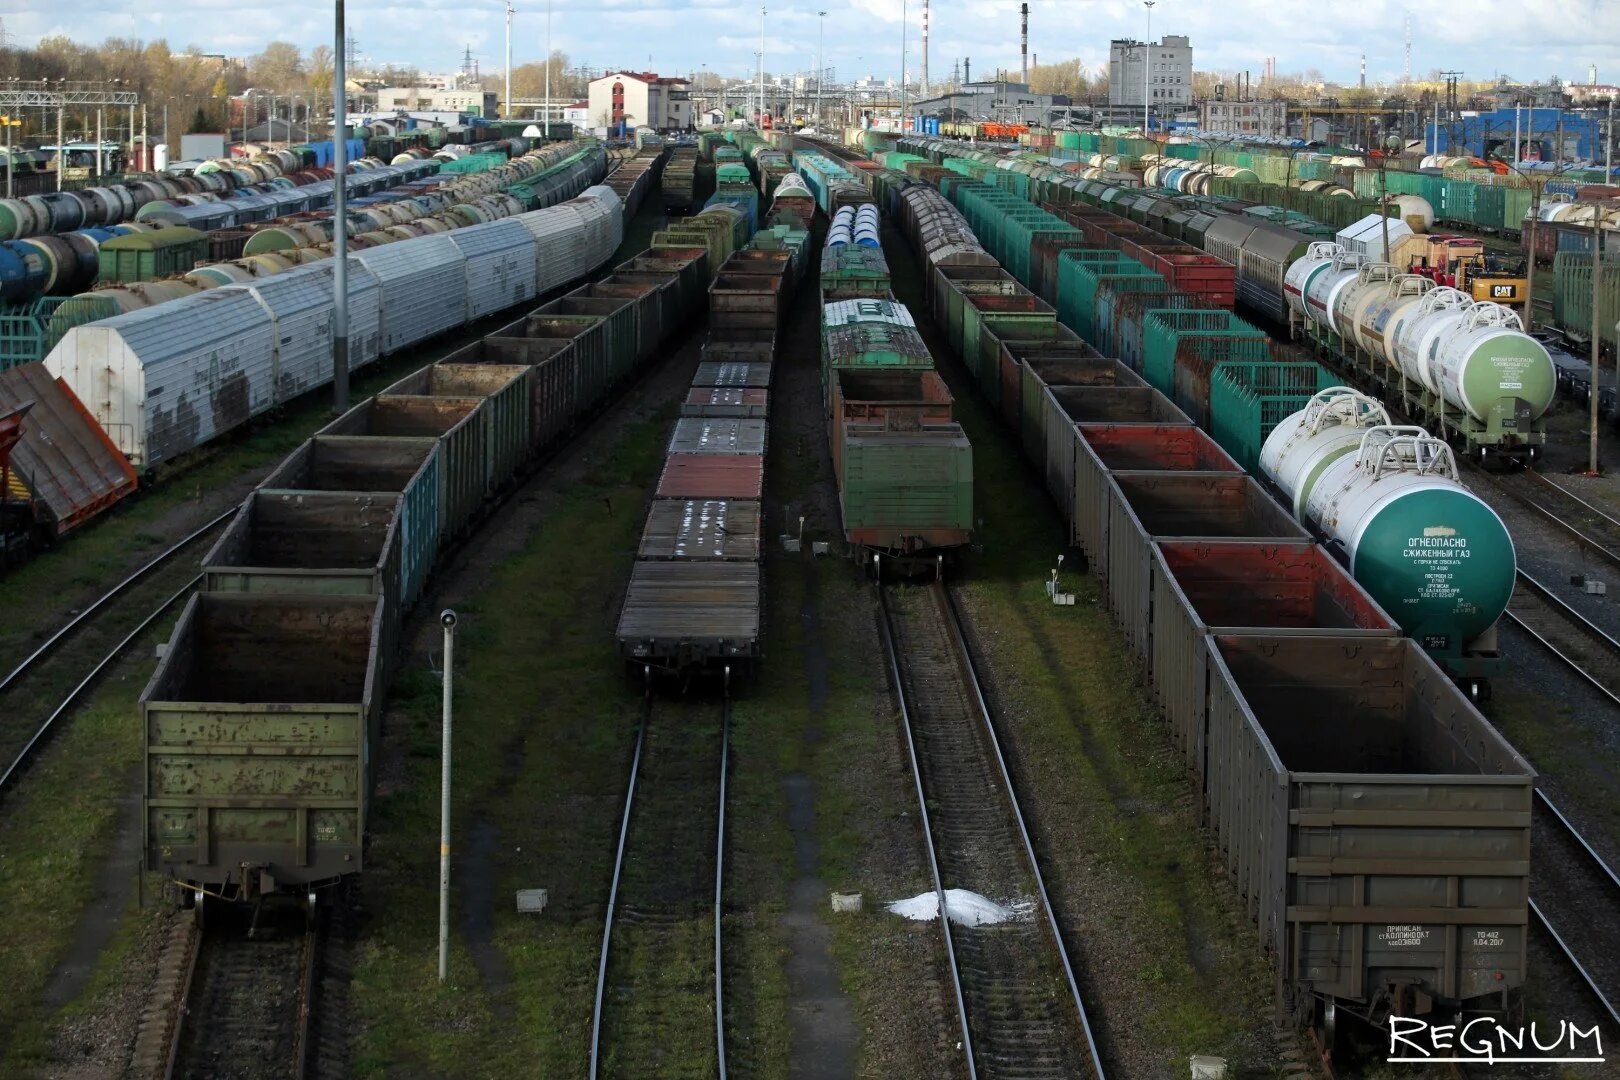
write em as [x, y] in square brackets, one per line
[963, 906]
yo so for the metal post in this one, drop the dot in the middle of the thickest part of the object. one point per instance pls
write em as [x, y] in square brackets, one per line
[100, 137]
[1383, 205]
[1147, 65]
[903, 17]
[61, 154]
[760, 120]
[506, 111]
[447, 619]
[1517, 157]
[146, 141]
[1597, 335]
[340, 222]
[545, 123]
[821, 35]
[1530, 270]
[1608, 143]
[8, 157]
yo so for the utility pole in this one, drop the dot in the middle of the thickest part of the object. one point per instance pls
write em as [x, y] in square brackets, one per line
[447, 619]
[1597, 331]
[922, 86]
[902, 66]
[506, 109]
[1147, 64]
[340, 223]
[61, 147]
[761, 118]
[821, 72]
[545, 124]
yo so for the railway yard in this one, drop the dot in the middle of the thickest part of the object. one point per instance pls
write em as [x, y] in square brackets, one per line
[921, 610]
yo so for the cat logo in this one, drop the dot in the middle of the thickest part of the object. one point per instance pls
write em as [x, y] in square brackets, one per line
[1504, 292]
[1439, 530]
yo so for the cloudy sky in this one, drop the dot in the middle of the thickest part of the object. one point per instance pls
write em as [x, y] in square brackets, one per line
[1529, 39]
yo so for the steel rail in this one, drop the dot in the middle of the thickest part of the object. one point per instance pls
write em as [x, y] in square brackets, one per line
[1542, 798]
[893, 655]
[719, 887]
[613, 888]
[1580, 969]
[1574, 532]
[954, 625]
[21, 760]
[112, 594]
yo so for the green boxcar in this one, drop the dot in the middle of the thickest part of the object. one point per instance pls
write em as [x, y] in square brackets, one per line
[1572, 295]
[148, 256]
[906, 491]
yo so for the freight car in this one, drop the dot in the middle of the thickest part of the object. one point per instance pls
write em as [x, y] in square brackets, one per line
[1493, 413]
[904, 468]
[693, 603]
[168, 378]
[1243, 396]
[289, 645]
[1300, 712]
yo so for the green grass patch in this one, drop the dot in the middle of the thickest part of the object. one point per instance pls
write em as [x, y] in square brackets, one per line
[545, 721]
[60, 822]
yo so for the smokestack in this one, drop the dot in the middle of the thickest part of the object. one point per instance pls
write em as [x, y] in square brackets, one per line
[923, 90]
[967, 69]
[1023, 39]
[1364, 71]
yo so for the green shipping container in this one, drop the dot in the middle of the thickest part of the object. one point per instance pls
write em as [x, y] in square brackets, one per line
[148, 256]
[907, 491]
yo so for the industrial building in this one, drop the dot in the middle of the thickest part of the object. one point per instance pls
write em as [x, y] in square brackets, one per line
[1540, 134]
[1168, 82]
[1007, 102]
[1258, 118]
[640, 99]
[426, 99]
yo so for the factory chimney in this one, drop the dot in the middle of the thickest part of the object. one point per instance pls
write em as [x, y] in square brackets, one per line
[1592, 71]
[967, 70]
[1364, 71]
[1023, 39]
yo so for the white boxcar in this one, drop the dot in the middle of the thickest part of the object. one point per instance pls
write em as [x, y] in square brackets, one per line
[165, 379]
[300, 303]
[500, 265]
[424, 288]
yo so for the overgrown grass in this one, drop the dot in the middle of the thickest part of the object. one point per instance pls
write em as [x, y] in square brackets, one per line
[60, 822]
[546, 716]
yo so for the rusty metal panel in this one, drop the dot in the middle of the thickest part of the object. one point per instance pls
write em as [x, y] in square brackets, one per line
[1040, 371]
[702, 529]
[746, 403]
[712, 476]
[508, 403]
[460, 425]
[257, 729]
[63, 458]
[407, 467]
[1147, 506]
[720, 435]
[1091, 496]
[1062, 439]
[1224, 587]
[1156, 447]
[1376, 823]
[680, 612]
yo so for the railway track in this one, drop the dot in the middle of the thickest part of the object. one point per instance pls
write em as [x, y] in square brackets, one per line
[653, 986]
[1566, 512]
[237, 997]
[50, 681]
[1016, 996]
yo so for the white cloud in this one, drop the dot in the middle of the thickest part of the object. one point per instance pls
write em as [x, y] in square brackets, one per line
[1526, 38]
